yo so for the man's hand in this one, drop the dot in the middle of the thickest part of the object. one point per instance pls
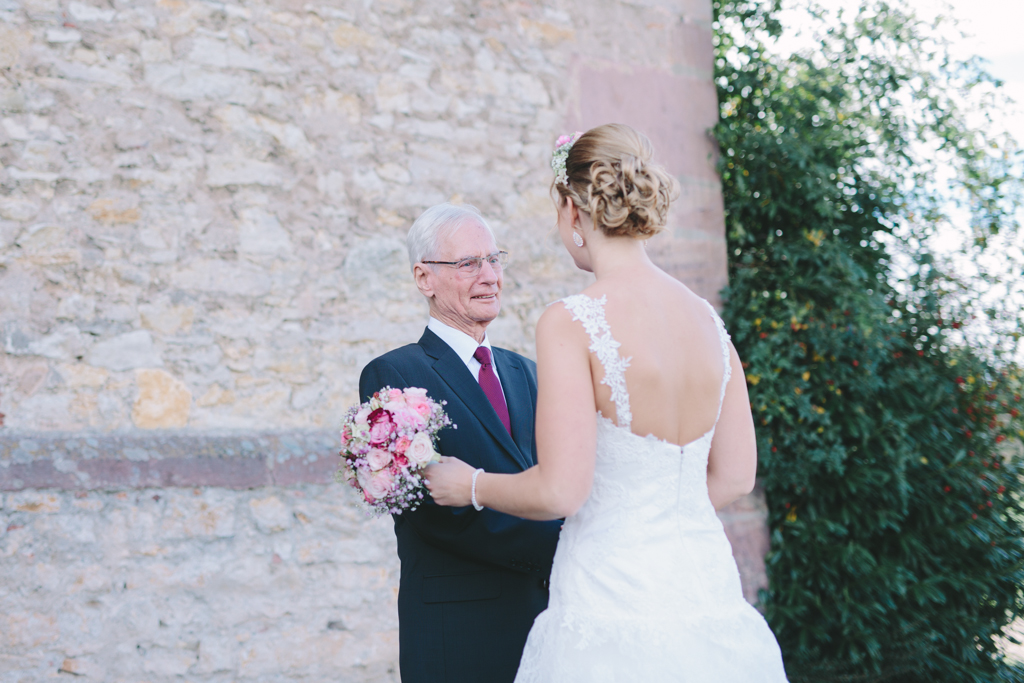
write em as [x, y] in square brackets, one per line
[450, 482]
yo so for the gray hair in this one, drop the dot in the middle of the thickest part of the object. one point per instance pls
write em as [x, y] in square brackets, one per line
[437, 224]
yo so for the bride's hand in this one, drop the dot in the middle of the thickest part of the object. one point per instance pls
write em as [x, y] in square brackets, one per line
[450, 482]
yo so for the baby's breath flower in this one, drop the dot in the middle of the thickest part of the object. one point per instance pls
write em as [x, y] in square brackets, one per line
[561, 153]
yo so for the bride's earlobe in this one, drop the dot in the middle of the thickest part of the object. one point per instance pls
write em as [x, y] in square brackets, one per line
[576, 239]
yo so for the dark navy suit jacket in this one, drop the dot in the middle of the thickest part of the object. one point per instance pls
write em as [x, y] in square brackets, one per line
[472, 582]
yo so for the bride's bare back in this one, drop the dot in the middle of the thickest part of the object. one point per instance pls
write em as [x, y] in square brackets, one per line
[675, 369]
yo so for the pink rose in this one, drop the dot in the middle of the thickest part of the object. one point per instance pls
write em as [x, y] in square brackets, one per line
[401, 444]
[414, 396]
[409, 419]
[378, 459]
[381, 426]
[380, 484]
[394, 400]
[401, 461]
[362, 415]
[363, 478]
[421, 450]
[421, 405]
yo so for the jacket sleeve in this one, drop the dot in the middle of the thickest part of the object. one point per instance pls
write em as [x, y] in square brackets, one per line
[486, 536]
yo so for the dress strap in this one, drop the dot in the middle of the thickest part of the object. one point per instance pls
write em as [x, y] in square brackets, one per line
[590, 312]
[723, 338]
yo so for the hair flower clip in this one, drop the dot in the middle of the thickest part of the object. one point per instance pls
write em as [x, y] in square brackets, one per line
[561, 153]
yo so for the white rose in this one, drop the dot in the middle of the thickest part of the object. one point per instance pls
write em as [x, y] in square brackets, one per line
[360, 431]
[421, 451]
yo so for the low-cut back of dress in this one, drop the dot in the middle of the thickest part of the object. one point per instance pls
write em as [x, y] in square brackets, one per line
[644, 586]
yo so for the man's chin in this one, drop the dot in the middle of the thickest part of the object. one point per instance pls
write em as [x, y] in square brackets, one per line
[485, 310]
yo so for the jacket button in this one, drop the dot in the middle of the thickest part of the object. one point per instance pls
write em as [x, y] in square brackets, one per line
[545, 584]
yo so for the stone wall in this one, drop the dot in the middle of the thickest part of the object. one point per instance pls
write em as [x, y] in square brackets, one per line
[202, 212]
[203, 204]
[208, 583]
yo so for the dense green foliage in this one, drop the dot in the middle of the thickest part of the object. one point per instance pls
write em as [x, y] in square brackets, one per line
[886, 442]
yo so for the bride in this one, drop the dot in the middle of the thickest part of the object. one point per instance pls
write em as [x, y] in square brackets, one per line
[644, 586]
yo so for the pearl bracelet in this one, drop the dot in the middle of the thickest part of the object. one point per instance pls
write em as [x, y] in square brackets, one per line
[476, 506]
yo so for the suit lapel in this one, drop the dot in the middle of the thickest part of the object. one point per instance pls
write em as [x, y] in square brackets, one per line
[520, 404]
[456, 375]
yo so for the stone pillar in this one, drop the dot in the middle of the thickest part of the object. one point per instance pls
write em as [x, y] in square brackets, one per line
[745, 525]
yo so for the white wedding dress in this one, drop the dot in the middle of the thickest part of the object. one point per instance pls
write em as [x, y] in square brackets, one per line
[644, 586]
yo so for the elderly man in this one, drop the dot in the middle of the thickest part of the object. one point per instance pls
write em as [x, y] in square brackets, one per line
[472, 580]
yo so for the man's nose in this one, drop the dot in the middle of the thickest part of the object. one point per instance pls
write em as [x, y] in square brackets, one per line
[488, 273]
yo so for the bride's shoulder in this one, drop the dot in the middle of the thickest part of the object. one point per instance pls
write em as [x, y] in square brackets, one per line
[586, 305]
[561, 317]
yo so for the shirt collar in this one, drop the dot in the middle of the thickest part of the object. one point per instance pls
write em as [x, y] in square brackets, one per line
[461, 343]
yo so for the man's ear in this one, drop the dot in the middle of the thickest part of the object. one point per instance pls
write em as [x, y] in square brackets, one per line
[423, 277]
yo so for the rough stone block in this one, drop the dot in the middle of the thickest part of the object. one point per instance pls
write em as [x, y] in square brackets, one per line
[33, 501]
[125, 352]
[261, 233]
[213, 276]
[222, 171]
[163, 401]
[270, 514]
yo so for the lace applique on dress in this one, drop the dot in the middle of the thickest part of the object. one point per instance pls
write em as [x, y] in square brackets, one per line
[723, 338]
[590, 312]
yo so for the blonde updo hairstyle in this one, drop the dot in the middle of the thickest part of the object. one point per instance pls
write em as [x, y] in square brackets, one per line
[612, 179]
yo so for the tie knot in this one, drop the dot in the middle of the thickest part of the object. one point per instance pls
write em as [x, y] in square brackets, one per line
[483, 355]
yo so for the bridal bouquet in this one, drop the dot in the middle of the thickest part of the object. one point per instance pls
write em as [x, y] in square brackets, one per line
[385, 444]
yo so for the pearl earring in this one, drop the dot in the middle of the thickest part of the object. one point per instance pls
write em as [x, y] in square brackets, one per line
[576, 239]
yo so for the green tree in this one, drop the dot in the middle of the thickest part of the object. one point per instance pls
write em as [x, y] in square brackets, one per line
[895, 504]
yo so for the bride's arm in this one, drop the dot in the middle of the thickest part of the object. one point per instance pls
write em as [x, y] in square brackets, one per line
[732, 463]
[566, 432]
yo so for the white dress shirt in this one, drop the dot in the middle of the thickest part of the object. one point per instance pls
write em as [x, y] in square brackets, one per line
[464, 347]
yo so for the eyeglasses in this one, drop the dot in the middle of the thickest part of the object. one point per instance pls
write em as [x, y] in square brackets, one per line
[471, 265]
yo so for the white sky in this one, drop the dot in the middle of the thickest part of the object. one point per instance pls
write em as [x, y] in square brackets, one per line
[994, 28]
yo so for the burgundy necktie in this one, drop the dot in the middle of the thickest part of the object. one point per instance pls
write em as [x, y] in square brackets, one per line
[492, 388]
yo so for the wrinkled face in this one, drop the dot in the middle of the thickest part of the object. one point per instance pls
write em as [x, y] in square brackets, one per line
[466, 303]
